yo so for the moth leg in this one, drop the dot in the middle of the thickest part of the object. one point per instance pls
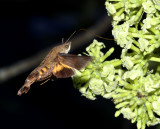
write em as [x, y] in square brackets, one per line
[45, 81]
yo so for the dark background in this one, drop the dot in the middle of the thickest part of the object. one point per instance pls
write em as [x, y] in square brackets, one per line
[28, 26]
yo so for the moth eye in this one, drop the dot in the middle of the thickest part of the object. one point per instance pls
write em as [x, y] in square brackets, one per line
[66, 46]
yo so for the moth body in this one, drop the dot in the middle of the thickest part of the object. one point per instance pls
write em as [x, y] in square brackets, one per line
[57, 63]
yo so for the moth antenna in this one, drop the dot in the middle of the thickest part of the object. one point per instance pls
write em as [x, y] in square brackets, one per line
[62, 40]
[95, 34]
[70, 36]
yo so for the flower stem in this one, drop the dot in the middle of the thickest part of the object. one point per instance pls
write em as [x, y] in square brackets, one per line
[135, 49]
[120, 12]
[108, 53]
[154, 59]
[138, 14]
[116, 63]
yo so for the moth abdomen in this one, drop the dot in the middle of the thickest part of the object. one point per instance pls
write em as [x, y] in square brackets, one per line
[44, 73]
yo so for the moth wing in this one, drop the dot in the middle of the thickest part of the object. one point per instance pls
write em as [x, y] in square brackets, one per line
[74, 61]
[65, 64]
[61, 70]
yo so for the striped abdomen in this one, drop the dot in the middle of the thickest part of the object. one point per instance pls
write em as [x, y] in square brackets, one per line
[44, 72]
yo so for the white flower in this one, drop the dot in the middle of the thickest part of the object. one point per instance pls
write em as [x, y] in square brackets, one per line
[121, 30]
[110, 8]
[149, 6]
[88, 94]
[127, 62]
[123, 54]
[111, 86]
[153, 122]
[108, 95]
[120, 33]
[96, 85]
[127, 10]
[127, 113]
[151, 83]
[149, 22]
[146, 25]
[95, 44]
[94, 49]
[128, 43]
[108, 71]
[144, 44]
[83, 89]
[133, 74]
[132, 20]
[156, 106]
[118, 18]
[114, 23]
[157, 2]
[157, 28]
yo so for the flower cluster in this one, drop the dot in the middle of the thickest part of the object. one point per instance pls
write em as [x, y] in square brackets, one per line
[136, 27]
[137, 97]
[131, 81]
[100, 77]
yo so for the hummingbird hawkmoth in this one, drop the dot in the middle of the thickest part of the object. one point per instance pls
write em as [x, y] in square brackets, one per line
[57, 63]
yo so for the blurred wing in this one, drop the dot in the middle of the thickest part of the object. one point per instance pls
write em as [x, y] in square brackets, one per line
[66, 63]
[74, 61]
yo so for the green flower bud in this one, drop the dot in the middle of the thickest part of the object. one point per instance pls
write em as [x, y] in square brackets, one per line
[149, 109]
[117, 113]
[123, 104]
[139, 123]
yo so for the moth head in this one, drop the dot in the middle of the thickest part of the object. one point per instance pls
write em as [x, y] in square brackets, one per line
[65, 47]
